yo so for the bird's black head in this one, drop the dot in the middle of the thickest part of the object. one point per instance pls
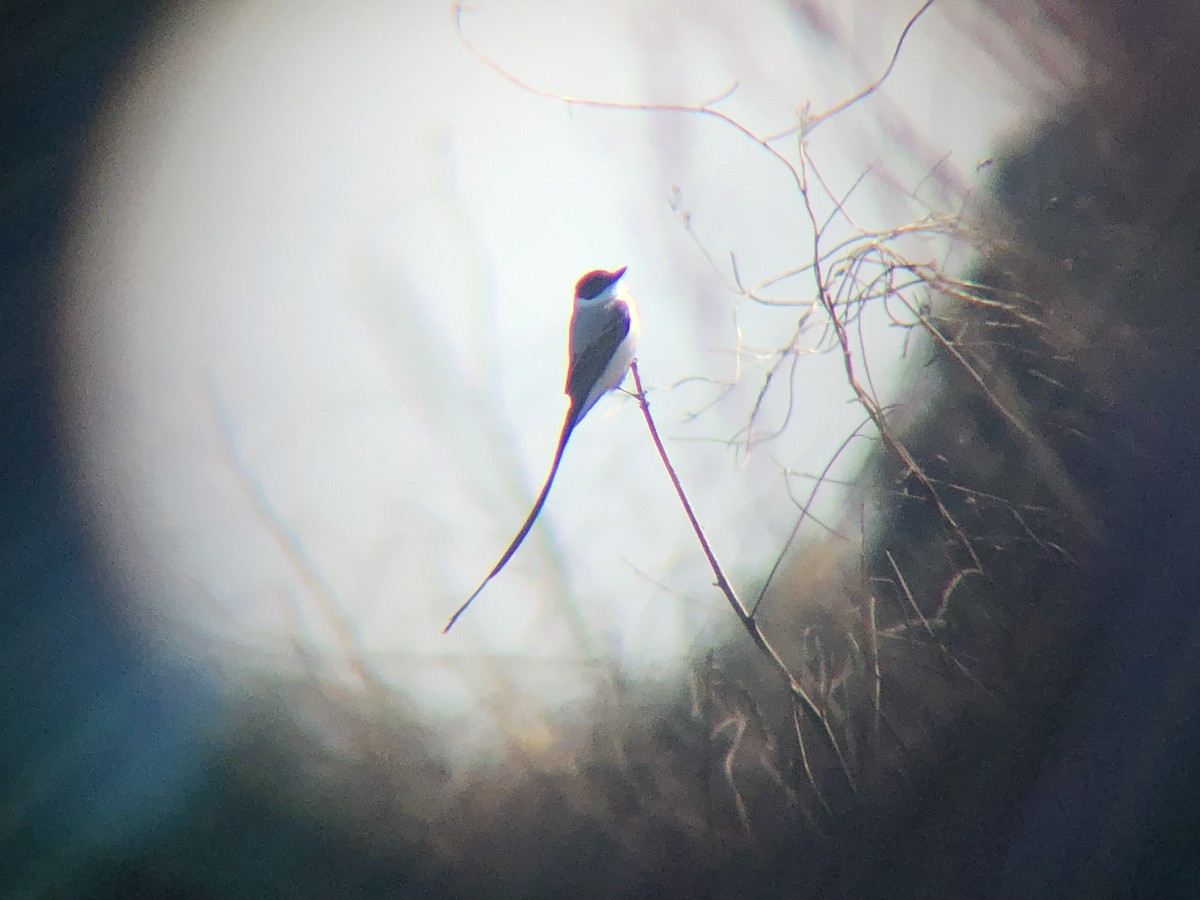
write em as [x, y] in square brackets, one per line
[594, 283]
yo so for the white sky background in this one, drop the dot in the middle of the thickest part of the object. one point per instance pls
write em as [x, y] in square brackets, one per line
[363, 241]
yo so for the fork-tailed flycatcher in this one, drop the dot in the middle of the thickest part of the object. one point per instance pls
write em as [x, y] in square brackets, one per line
[603, 340]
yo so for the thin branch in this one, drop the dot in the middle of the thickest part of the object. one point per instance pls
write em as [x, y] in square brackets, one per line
[868, 402]
[704, 109]
[723, 584]
[804, 512]
[912, 602]
[812, 122]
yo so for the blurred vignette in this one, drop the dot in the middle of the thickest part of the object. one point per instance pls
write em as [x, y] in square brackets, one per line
[131, 768]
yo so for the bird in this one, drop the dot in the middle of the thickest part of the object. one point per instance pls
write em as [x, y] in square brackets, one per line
[602, 343]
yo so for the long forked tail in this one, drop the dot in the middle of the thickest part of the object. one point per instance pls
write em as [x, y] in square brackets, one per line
[569, 424]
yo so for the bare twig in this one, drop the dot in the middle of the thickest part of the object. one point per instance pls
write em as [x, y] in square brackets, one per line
[804, 512]
[703, 109]
[723, 584]
[812, 122]
[912, 602]
[865, 399]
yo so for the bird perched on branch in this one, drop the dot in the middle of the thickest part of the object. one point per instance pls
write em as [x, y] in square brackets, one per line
[602, 344]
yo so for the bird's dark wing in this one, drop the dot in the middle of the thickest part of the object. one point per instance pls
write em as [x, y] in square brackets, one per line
[591, 352]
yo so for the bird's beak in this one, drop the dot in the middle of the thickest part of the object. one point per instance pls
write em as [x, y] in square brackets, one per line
[619, 273]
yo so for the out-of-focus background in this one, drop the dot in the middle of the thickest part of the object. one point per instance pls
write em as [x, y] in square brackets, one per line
[285, 294]
[317, 282]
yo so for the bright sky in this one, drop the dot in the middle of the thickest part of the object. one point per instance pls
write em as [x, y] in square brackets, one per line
[321, 282]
